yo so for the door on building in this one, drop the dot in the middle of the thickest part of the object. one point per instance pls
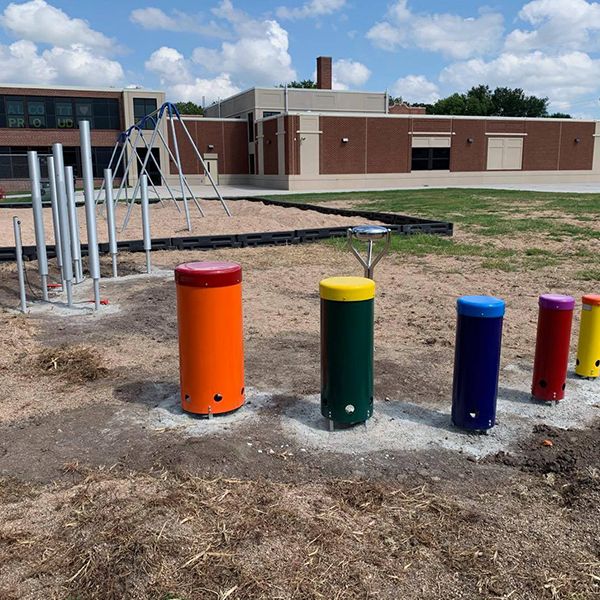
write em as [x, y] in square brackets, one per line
[151, 166]
[309, 145]
[212, 165]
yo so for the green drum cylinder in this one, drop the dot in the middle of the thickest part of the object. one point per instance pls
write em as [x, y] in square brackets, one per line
[347, 316]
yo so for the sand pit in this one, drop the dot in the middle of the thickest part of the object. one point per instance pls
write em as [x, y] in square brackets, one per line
[247, 217]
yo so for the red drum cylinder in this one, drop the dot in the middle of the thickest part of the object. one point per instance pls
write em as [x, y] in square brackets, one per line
[552, 347]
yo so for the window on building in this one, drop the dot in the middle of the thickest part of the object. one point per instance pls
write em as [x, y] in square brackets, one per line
[270, 113]
[251, 163]
[143, 107]
[14, 165]
[15, 112]
[250, 127]
[64, 114]
[37, 112]
[430, 159]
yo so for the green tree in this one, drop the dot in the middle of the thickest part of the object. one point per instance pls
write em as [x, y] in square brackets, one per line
[559, 115]
[452, 105]
[305, 83]
[502, 102]
[189, 108]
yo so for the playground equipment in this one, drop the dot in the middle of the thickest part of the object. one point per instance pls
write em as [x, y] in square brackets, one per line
[38, 221]
[211, 347]
[588, 347]
[369, 234]
[477, 361]
[552, 347]
[347, 318]
[165, 115]
[74, 225]
[90, 209]
[55, 217]
[63, 219]
[146, 223]
[110, 220]
[20, 271]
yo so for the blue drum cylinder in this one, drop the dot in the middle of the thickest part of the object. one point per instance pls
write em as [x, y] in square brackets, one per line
[477, 361]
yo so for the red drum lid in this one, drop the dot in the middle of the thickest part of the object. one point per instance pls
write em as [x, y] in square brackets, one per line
[208, 274]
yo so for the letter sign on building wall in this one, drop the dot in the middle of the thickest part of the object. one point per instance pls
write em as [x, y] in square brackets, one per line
[505, 153]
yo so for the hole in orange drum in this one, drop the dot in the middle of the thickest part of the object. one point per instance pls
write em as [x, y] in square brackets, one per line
[218, 397]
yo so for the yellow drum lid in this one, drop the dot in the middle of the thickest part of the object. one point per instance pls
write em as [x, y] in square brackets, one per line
[347, 289]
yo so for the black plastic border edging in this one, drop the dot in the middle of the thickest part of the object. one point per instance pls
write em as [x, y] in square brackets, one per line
[398, 224]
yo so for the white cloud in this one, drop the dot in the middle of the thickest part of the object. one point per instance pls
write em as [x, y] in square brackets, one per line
[452, 35]
[416, 88]
[563, 78]
[314, 8]
[75, 54]
[175, 73]
[572, 25]
[23, 63]
[155, 19]
[257, 55]
[77, 65]
[38, 21]
[260, 56]
[386, 36]
[349, 74]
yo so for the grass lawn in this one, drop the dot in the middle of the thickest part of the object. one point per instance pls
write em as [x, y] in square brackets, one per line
[508, 230]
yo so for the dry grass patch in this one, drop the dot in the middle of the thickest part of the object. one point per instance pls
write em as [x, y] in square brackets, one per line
[75, 364]
[137, 537]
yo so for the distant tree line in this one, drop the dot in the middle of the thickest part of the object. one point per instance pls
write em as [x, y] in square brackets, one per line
[305, 83]
[189, 108]
[482, 101]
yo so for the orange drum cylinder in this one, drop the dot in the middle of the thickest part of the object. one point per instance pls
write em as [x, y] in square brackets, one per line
[211, 346]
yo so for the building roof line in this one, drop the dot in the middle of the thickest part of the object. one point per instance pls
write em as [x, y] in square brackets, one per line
[432, 117]
[37, 86]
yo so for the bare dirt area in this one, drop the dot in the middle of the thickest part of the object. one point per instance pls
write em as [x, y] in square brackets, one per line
[167, 221]
[107, 490]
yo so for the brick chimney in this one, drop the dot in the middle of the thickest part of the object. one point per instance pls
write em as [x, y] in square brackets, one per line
[324, 73]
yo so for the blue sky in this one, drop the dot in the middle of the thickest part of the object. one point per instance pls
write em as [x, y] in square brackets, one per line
[419, 50]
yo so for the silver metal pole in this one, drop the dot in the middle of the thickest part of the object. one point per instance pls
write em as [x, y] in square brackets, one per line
[129, 163]
[55, 219]
[63, 216]
[137, 185]
[212, 181]
[20, 272]
[110, 217]
[149, 178]
[38, 220]
[74, 225]
[187, 185]
[90, 208]
[186, 208]
[146, 222]
[162, 175]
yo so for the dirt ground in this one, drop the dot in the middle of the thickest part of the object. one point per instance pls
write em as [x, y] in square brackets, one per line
[97, 500]
[166, 221]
